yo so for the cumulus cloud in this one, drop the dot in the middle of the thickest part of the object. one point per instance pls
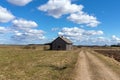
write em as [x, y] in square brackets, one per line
[30, 35]
[3, 30]
[115, 39]
[77, 34]
[83, 18]
[19, 2]
[57, 8]
[100, 40]
[5, 15]
[24, 24]
[93, 32]
[21, 36]
[25, 30]
[75, 31]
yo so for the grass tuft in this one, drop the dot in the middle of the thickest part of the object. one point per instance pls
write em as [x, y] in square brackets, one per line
[17, 63]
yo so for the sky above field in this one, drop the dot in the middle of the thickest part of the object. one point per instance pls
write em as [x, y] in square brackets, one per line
[85, 22]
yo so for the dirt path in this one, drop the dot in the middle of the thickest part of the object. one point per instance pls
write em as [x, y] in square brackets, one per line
[89, 67]
[82, 68]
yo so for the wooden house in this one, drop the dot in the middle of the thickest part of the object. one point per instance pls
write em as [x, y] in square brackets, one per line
[60, 43]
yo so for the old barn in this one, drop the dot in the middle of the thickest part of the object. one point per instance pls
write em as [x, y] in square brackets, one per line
[60, 43]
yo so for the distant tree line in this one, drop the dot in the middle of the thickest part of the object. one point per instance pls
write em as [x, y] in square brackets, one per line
[116, 45]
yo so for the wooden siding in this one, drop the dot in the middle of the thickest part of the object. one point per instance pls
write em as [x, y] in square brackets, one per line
[61, 43]
[68, 46]
[58, 44]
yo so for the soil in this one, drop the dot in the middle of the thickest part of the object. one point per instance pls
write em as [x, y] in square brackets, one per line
[89, 67]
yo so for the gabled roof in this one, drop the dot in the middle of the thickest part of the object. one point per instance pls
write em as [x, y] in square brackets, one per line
[65, 39]
[61, 37]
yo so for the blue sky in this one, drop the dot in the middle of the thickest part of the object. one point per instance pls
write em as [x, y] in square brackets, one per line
[39, 21]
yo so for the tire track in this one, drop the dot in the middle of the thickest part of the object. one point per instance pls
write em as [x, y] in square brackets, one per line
[89, 67]
[82, 68]
[105, 73]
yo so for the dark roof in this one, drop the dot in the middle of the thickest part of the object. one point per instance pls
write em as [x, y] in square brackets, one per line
[61, 37]
[65, 39]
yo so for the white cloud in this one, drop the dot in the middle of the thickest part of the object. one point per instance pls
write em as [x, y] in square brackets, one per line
[30, 35]
[36, 33]
[100, 40]
[75, 31]
[19, 2]
[3, 30]
[83, 18]
[24, 24]
[115, 39]
[5, 15]
[93, 32]
[25, 30]
[57, 8]
[23, 35]
[80, 35]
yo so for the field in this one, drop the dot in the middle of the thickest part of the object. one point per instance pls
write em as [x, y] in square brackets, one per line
[110, 52]
[92, 65]
[18, 63]
[35, 63]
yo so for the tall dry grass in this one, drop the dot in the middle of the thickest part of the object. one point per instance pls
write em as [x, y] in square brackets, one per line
[17, 63]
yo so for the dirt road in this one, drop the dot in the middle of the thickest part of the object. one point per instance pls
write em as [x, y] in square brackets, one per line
[90, 67]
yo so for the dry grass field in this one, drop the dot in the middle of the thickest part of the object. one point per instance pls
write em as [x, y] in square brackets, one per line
[112, 52]
[35, 63]
[17, 63]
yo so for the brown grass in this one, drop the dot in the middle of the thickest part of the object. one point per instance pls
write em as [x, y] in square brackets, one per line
[17, 63]
[110, 53]
[110, 62]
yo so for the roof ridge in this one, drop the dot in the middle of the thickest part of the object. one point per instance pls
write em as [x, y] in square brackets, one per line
[65, 39]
